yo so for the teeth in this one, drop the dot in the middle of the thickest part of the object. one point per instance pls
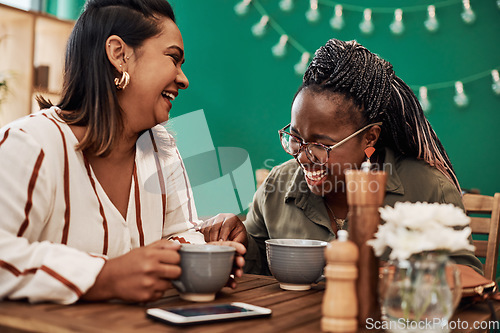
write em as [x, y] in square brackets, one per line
[168, 95]
[315, 175]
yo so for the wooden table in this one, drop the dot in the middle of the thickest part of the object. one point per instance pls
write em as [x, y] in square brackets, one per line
[293, 311]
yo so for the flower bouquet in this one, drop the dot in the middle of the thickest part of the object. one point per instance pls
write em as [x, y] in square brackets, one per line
[415, 293]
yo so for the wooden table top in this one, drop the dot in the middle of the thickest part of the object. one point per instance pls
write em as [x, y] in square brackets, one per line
[293, 311]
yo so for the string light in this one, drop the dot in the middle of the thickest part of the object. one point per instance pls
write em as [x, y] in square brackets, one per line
[312, 15]
[366, 26]
[286, 5]
[259, 28]
[460, 98]
[279, 50]
[424, 101]
[241, 8]
[301, 66]
[337, 21]
[432, 24]
[468, 15]
[397, 26]
[496, 81]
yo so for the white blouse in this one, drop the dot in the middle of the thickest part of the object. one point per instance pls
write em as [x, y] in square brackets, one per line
[57, 225]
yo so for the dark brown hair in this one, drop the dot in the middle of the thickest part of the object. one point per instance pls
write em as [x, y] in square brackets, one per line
[89, 95]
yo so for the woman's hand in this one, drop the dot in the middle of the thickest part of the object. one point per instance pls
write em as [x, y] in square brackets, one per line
[239, 261]
[225, 227]
[141, 275]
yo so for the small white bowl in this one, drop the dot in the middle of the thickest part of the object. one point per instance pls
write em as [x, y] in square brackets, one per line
[296, 263]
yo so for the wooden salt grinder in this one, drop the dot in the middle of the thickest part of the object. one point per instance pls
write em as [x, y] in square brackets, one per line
[340, 304]
[365, 194]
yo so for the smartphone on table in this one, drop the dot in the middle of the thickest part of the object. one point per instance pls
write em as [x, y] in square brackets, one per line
[196, 314]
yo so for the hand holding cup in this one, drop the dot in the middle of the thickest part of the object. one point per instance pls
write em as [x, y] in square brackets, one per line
[206, 268]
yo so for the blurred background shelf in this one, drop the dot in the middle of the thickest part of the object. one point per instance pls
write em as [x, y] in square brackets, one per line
[32, 48]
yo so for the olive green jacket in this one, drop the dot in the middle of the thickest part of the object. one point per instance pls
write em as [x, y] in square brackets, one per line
[284, 207]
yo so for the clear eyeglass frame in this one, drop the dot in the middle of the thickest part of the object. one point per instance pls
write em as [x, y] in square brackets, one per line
[316, 152]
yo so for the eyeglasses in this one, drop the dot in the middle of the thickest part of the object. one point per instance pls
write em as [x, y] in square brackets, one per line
[317, 153]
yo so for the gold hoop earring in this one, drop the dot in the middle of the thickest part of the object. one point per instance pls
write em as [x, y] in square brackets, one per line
[123, 82]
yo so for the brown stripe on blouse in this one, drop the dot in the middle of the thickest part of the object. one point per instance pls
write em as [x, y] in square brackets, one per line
[101, 208]
[5, 135]
[47, 270]
[187, 190]
[138, 219]
[64, 281]
[10, 268]
[160, 177]
[181, 240]
[29, 200]
[64, 239]
[97, 256]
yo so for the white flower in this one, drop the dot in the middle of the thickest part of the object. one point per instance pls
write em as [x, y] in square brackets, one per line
[412, 228]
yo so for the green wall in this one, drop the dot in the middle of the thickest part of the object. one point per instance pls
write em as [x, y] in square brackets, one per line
[64, 9]
[246, 92]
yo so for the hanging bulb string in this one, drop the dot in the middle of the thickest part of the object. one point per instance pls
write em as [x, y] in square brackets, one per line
[275, 26]
[388, 10]
[302, 50]
[448, 84]
[294, 43]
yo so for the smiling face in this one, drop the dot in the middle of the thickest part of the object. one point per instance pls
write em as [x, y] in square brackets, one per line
[328, 118]
[155, 78]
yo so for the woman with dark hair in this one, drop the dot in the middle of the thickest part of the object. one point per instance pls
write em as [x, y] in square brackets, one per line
[95, 198]
[351, 107]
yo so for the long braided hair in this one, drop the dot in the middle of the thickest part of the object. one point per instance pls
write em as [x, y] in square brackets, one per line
[350, 69]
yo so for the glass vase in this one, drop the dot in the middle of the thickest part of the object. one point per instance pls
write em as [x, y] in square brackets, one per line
[419, 294]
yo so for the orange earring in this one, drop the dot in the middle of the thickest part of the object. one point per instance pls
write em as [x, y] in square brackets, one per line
[365, 166]
[369, 152]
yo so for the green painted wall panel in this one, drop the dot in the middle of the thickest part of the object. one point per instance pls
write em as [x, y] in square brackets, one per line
[246, 92]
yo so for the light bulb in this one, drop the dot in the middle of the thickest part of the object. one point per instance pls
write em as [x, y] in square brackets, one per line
[259, 28]
[498, 4]
[468, 15]
[496, 81]
[337, 21]
[424, 101]
[286, 5]
[312, 15]
[301, 66]
[279, 50]
[397, 27]
[366, 26]
[432, 24]
[241, 8]
[460, 98]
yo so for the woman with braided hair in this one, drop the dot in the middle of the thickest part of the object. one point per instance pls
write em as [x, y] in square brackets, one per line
[350, 107]
[380, 96]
